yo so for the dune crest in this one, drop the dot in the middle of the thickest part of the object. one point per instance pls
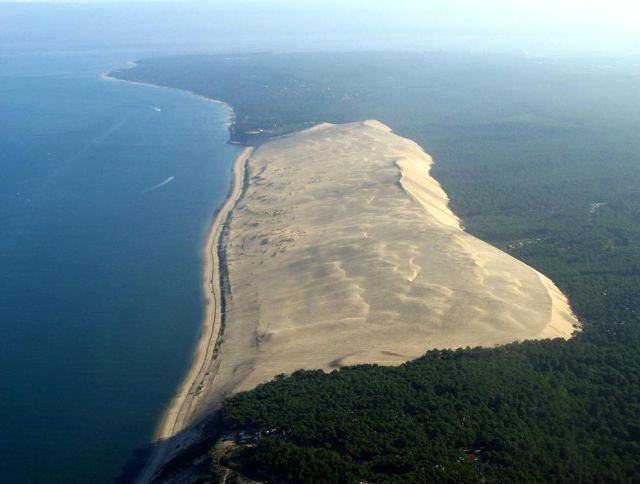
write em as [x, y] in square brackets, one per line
[342, 250]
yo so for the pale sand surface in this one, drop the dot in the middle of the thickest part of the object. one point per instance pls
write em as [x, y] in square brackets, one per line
[343, 250]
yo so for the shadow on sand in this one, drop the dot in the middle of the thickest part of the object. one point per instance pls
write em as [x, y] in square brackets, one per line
[188, 462]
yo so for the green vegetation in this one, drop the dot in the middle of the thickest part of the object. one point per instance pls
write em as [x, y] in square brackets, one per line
[539, 157]
[532, 412]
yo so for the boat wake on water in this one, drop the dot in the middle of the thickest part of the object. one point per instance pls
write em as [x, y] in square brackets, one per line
[159, 185]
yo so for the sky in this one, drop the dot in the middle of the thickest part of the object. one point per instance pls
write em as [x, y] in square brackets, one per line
[494, 25]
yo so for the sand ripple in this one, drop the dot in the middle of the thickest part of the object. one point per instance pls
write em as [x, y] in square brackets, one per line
[343, 250]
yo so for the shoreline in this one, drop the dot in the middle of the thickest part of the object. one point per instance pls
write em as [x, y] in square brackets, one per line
[182, 411]
[183, 405]
[106, 76]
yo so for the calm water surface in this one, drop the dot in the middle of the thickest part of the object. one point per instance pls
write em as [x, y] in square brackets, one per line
[106, 192]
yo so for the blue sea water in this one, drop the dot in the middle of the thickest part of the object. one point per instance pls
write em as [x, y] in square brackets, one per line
[100, 272]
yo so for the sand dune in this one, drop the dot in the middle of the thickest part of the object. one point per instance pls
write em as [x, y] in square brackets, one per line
[342, 250]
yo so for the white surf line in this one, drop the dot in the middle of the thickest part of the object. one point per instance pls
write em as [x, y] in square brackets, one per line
[159, 185]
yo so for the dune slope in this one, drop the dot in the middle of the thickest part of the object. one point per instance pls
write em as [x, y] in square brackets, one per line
[342, 250]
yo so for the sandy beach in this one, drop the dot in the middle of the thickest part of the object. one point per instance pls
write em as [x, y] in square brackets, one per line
[179, 414]
[185, 408]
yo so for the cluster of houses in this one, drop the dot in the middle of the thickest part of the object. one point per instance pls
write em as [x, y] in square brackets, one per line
[243, 437]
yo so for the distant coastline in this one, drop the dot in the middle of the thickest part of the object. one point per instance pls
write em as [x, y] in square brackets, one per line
[111, 76]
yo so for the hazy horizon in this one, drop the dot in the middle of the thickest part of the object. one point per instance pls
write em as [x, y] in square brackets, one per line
[540, 27]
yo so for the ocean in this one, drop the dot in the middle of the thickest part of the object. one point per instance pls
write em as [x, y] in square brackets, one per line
[107, 190]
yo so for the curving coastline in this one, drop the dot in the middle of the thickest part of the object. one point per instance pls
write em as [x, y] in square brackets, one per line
[108, 76]
[175, 427]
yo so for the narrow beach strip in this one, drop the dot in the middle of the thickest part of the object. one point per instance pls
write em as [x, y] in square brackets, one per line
[179, 414]
[183, 409]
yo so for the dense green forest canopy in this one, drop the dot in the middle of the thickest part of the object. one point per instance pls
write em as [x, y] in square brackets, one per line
[540, 157]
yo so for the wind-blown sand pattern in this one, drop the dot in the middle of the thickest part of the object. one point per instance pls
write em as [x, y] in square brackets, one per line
[342, 250]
